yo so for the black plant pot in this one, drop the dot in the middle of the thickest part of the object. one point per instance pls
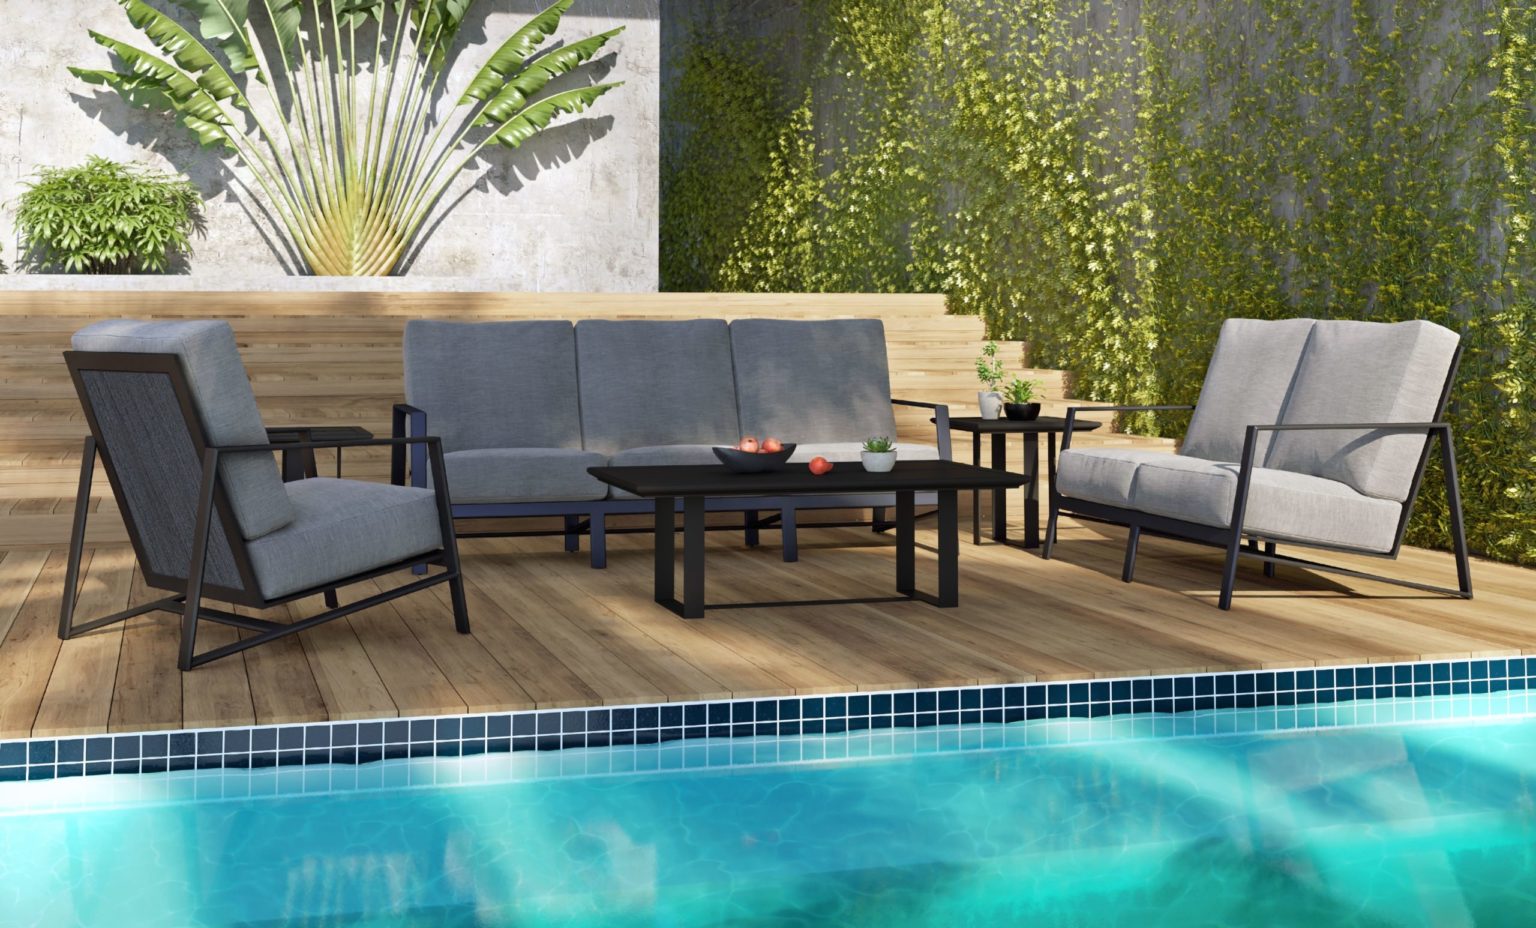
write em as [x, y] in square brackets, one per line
[1022, 412]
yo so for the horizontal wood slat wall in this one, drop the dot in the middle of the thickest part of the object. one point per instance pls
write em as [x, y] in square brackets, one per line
[331, 357]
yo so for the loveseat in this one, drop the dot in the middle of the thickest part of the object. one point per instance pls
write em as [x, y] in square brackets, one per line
[524, 408]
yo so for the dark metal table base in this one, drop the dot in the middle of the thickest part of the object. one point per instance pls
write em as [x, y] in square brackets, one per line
[692, 605]
[1032, 499]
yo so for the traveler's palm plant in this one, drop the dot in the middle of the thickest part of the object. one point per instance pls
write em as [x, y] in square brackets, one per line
[343, 137]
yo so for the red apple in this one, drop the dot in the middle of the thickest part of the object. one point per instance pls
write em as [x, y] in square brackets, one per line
[771, 444]
[748, 444]
[820, 465]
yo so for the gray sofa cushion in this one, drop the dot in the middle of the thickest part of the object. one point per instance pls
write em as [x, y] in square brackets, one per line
[648, 383]
[225, 404]
[494, 384]
[657, 455]
[1104, 475]
[1365, 372]
[520, 475]
[341, 528]
[1247, 383]
[840, 451]
[813, 381]
[1281, 504]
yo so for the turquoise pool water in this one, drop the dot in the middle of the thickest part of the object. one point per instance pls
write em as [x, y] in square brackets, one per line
[1372, 826]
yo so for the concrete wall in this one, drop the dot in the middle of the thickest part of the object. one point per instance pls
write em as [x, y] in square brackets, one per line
[573, 209]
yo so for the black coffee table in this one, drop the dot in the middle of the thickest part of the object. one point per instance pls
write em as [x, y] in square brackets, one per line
[1031, 429]
[694, 484]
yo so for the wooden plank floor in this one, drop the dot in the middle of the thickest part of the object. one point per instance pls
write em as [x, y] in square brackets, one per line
[549, 631]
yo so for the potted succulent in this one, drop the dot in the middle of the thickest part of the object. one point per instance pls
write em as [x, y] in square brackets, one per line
[879, 454]
[989, 370]
[1020, 401]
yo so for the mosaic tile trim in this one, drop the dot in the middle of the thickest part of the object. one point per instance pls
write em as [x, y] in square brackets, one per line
[353, 743]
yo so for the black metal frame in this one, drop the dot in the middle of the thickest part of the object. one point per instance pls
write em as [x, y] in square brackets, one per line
[589, 517]
[1232, 538]
[213, 504]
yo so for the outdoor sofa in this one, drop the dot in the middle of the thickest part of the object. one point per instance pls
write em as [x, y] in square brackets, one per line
[1309, 433]
[524, 408]
[174, 421]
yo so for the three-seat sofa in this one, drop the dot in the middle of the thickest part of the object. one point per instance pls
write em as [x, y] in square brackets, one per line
[524, 408]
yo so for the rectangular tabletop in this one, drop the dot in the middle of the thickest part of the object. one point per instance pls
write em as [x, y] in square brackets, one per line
[1003, 426]
[850, 477]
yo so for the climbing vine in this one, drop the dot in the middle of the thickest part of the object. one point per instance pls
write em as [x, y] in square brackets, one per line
[1109, 181]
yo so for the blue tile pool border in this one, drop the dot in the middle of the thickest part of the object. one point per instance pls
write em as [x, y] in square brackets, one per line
[354, 742]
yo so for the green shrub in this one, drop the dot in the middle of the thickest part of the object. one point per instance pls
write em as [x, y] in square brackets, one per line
[103, 217]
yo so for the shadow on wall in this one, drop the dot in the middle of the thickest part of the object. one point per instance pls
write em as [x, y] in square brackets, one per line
[496, 168]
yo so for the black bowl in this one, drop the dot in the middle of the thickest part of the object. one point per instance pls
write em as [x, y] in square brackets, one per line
[1022, 412]
[753, 462]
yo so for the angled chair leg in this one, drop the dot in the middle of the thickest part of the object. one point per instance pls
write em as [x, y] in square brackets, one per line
[200, 530]
[77, 539]
[1128, 572]
[791, 539]
[598, 543]
[1453, 505]
[750, 527]
[1050, 530]
[1229, 572]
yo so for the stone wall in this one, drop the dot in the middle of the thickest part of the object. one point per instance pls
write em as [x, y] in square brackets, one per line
[573, 209]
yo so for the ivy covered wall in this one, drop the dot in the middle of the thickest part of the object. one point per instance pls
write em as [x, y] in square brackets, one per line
[1110, 179]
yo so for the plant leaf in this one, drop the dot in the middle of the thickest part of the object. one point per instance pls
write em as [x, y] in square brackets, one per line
[437, 26]
[514, 51]
[531, 119]
[142, 63]
[287, 16]
[539, 72]
[224, 21]
[182, 46]
[197, 112]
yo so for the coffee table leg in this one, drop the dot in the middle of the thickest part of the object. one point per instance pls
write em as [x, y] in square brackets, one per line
[906, 543]
[975, 494]
[693, 557]
[1032, 490]
[999, 497]
[949, 549]
[666, 593]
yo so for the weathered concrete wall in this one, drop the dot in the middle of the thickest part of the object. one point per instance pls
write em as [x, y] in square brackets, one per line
[573, 209]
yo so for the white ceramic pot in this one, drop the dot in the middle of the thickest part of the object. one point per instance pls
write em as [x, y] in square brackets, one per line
[991, 403]
[878, 462]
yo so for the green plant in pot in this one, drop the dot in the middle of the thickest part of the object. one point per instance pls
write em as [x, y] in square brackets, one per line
[102, 217]
[879, 454]
[989, 370]
[1019, 400]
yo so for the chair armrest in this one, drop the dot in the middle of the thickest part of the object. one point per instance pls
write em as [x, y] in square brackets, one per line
[940, 422]
[328, 443]
[1066, 438]
[408, 420]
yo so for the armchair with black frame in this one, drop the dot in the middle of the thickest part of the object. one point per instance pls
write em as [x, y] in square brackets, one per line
[1307, 433]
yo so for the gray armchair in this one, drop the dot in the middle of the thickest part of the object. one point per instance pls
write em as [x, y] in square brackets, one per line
[1309, 433]
[174, 421]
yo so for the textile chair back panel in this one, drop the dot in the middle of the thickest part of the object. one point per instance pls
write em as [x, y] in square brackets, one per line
[1247, 383]
[158, 471]
[1366, 372]
[813, 381]
[494, 384]
[225, 403]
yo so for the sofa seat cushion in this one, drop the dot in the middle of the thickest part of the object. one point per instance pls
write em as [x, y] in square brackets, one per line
[661, 455]
[1102, 475]
[341, 528]
[839, 452]
[523, 475]
[1281, 504]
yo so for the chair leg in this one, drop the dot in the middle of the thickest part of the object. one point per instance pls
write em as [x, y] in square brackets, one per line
[460, 607]
[749, 527]
[877, 523]
[598, 543]
[1453, 504]
[200, 531]
[1050, 531]
[331, 602]
[1229, 571]
[77, 539]
[791, 538]
[572, 537]
[1269, 566]
[1128, 572]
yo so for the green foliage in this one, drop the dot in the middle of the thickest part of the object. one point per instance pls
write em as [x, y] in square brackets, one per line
[1020, 391]
[1109, 181]
[989, 370]
[879, 444]
[343, 141]
[103, 217]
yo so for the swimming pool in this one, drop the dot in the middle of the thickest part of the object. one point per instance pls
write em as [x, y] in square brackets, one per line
[1046, 822]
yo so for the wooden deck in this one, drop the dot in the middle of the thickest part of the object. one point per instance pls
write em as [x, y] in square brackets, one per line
[550, 631]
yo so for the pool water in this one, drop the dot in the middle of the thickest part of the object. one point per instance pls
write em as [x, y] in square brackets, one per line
[1379, 826]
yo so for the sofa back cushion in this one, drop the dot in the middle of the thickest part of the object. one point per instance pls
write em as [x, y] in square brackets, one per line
[813, 381]
[1365, 372]
[225, 405]
[1247, 383]
[494, 384]
[649, 382]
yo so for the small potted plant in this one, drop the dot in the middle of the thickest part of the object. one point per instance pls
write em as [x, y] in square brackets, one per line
[879, 454]
[1021, 404]
[989, 370]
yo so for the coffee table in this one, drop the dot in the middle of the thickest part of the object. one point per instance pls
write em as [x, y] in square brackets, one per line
[1031, 429]
[693, 484]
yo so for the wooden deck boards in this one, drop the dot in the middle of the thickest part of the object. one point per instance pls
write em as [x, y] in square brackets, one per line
[549, 631]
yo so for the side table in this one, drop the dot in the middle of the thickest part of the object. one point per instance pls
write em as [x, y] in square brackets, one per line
[300, 463]
[1031, 429]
